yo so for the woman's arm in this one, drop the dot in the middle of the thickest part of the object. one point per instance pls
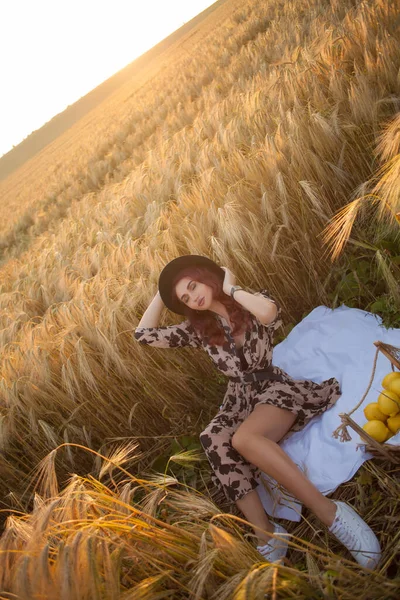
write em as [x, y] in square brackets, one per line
[172, 336]
[152, 314]
[262, 307]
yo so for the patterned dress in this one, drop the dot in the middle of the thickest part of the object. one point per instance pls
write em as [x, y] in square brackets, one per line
[305, 398]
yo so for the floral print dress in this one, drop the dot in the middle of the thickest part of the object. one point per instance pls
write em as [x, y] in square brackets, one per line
[305, 398]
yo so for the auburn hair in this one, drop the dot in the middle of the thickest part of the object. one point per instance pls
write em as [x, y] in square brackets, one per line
[205, 322]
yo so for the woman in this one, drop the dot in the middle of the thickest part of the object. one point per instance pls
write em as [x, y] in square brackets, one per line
[262, 402]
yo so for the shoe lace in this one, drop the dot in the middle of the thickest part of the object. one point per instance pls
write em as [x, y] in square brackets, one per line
[349, 537]
[266, 549]
[274, 543]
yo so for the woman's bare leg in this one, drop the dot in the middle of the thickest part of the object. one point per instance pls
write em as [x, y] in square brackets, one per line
[252, 508]
[256, 440]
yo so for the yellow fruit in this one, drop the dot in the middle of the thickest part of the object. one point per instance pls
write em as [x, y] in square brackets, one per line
[373, 413]
[389, 403]
[377, 430]
[394, 423]
[394, 386]
[389, 378]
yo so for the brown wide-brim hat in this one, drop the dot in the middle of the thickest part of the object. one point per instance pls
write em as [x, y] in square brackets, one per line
[172, 269]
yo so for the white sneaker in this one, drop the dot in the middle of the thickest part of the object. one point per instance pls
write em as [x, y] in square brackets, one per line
[356, 535]
[277, 546]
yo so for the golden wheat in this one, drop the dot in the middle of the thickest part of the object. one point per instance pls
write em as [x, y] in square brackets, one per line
[155, 538]
[243, 144]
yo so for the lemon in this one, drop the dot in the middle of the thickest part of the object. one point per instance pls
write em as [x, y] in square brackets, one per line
[373, 413]
[389, 403]
[394, 423]
[377, 430]
[389, 378]
[394, 385]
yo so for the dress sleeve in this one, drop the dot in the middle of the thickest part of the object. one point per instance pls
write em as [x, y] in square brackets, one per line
[277, 322]
[173, 336]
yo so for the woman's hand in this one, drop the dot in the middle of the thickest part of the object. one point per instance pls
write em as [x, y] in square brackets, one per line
[229, 281]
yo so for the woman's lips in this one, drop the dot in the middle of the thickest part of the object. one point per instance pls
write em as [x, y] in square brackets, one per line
[201, 302]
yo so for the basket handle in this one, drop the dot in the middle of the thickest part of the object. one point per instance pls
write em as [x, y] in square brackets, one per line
[341, 431]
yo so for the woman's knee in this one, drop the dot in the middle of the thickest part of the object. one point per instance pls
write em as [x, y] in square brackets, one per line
[240, 440]
[244, 440]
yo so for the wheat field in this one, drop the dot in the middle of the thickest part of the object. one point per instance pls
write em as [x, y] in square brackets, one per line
[267, 139]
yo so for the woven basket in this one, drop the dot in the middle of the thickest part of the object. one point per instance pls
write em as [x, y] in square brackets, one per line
[388, 451]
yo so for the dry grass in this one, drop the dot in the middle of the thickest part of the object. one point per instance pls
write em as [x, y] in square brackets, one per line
[380, 198]
[157, 538]
[243, 146]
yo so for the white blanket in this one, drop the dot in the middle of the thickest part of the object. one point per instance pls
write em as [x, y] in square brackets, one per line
[330, 343]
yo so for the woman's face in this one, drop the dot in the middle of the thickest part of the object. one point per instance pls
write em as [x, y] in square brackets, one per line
[192, 293]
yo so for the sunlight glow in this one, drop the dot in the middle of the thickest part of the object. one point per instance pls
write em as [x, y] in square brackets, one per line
[53, 53]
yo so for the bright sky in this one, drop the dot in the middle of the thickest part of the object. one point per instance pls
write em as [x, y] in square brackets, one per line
[52, 52]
